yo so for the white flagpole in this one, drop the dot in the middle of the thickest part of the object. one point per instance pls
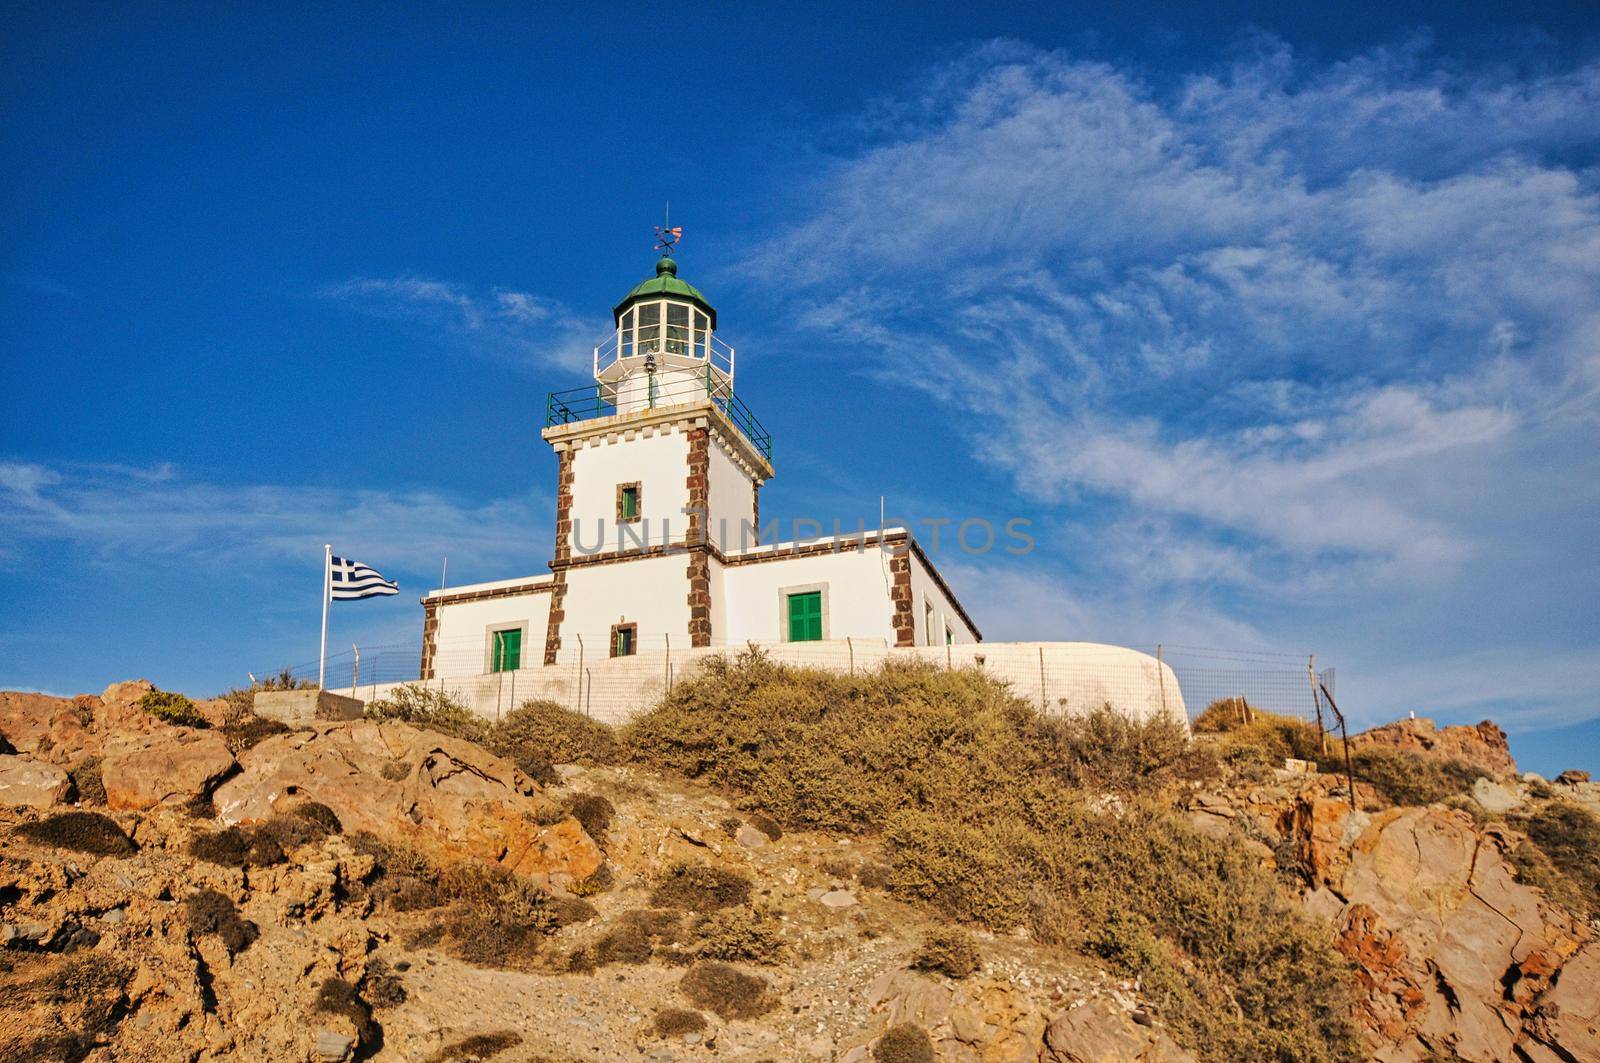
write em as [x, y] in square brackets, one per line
[327, 592]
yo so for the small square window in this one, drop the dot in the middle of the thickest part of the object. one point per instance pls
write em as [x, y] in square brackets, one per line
[628, 498]
[624, 640]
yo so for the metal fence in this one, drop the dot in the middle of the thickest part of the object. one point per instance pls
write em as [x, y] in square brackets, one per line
[588, 678]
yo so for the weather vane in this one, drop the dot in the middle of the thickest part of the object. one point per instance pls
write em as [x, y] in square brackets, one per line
[668, 235]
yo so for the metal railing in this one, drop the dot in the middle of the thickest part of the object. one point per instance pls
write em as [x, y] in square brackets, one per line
[706, 347]
[600, 400]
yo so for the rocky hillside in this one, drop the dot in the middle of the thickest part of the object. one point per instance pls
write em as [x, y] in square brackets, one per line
[743, 875]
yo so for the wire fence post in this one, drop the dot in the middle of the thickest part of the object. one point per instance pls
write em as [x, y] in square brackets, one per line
[1041, 680]
[577, 694]
[851, 647]
[1316, 702]
[355, 678]
[668, 637]
[1344, 731]
[1161, 678]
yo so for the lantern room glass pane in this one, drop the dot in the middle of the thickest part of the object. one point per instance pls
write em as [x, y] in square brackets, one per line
[700, 323]
[625, 342]
[649, 326]
[677, 328]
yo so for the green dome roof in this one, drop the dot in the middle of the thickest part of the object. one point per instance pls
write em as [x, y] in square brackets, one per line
[665, 284]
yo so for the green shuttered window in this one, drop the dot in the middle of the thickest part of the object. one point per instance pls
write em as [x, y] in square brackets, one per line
[506, 652]
[805, 617]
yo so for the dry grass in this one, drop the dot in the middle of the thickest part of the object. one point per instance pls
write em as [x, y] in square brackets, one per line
[1406, 778]
[1568, 838]
[675, 1022]
[82, 832]
[61, 1010]
[269, 842]
[984, 808]
[593, 812]
[86, 783]
[634, 936]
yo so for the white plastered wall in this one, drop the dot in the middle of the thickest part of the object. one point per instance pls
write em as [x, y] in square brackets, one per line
[461, 644]
[856, 599]
[925, 591]
[732, 502]
[658, 462]
[650, 592]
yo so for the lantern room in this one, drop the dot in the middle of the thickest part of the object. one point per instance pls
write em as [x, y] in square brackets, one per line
[665, 349]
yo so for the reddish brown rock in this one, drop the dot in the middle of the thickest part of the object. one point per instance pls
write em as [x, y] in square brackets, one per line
[166, 766]
[1452, 953]
[447, 796]
[1484, 746]
[48, 728]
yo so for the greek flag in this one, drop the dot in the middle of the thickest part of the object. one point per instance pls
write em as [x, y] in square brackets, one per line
[351, 579]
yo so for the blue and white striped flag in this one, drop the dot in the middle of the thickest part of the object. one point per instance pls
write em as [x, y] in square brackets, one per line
[351, 579]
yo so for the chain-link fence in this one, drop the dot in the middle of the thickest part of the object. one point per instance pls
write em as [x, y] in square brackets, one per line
[1072, 677]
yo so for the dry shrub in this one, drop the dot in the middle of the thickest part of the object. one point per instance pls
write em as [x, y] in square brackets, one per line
[874, 876]
[337, 997]
[1568, 837]
[82, 832]
[61, 1010]
[740, 934]
[727, 991]
[1105, 750]
[548, 733]
[210, 912]
[700, 888]
[430, 709]
[593, 812]
[1406, 778]
[381, 986]
[632, 939]
[248, 730]
[494, 918]
[905, 1043]
[478, 1046]
[675, 1022]
[269, 842]
[950, 952]
[402, 878]
[1256, 748]
[173, 708]
[983, 807]
[86, 782]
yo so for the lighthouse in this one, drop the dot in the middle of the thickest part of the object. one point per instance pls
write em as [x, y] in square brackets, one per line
[659, 544]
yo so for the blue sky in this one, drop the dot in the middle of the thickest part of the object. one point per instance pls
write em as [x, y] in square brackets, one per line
[1284, 330]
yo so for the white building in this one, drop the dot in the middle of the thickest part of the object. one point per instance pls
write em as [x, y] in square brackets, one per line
[660, 557]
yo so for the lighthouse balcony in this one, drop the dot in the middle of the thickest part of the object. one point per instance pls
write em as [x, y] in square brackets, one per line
[678, 348]
[665, 387]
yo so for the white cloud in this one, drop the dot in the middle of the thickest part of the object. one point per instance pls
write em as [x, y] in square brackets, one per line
[498, 323]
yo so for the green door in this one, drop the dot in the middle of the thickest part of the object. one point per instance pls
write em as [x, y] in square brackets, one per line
[506, 654]
[805, 617]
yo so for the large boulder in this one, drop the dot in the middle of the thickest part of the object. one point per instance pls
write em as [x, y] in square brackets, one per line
[25, 781]
[1452, 954]
[448, 797]
[1484, 745]
[49, 728]
[1099, 1031]
[165, 766]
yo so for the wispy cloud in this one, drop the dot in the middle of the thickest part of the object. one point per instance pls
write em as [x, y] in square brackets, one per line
[111, 514]
[1285, 334]
[498, 323]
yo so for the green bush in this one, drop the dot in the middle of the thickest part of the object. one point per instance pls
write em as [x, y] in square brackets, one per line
[431, 709]
[983, 809]
[172, 708]
[548, 733]
[241, 700]
[1105, 750]
[1406, 778]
